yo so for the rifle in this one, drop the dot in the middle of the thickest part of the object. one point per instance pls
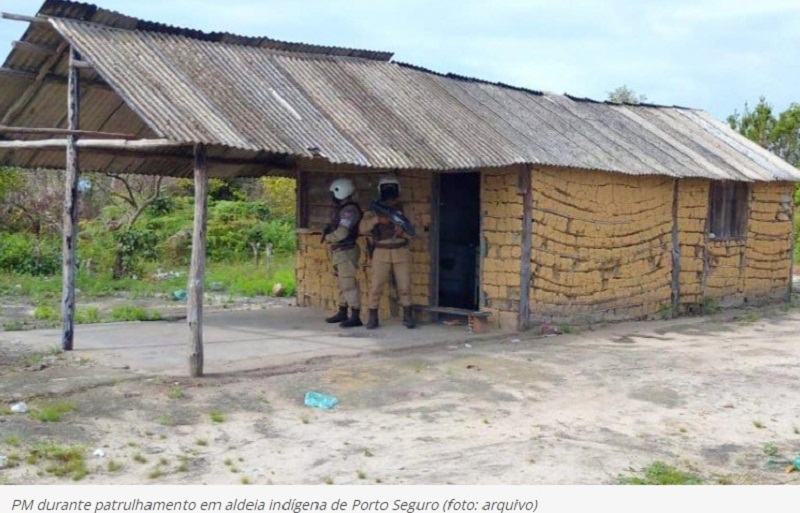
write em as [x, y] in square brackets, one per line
[325, 232]
[395, 216]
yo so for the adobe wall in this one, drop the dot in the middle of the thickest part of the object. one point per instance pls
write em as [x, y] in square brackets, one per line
[501, 226]
[602, 245]
[315, 282]
[732, 272]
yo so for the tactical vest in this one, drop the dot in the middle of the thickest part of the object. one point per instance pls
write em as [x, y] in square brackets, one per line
[349, 241]
[383, 232]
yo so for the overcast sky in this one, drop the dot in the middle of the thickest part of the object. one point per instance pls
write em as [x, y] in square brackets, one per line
[709, 54]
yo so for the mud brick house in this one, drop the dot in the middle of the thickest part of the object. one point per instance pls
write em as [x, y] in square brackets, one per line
[531, 206]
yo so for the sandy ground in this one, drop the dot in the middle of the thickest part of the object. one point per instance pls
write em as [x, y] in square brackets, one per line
[716, 396]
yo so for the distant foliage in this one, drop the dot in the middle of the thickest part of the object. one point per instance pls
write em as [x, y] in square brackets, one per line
[780, 133]
[20, 253]
[279, 193]
[624, 95]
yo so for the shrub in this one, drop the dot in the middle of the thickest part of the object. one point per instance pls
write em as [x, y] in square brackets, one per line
[23, 254]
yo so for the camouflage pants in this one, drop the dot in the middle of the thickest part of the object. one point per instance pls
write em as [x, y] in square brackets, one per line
[345, 266]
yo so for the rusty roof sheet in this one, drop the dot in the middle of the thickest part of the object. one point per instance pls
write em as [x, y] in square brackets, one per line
[257, 97]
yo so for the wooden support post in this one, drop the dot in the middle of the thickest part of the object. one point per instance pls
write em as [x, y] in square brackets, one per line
[433, 243]
[524, 320]
[198, 267]
[794, 235]
[70, 217]
[676, 253]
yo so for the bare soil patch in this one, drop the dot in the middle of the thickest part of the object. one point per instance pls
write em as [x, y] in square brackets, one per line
[715, 396]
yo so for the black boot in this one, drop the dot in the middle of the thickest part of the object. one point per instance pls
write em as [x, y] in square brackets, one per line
[372, 323]
[339, 317]
[354, 321]
[408, 317]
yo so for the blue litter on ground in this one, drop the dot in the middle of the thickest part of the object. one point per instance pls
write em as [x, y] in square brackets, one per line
[320, 400]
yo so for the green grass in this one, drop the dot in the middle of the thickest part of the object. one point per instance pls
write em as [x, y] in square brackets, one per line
[217, 417]
[126, 313]
[659, 473]
[60, 460]
[235, 278]
[12, 440]
[53, 412]
[88, 315]
[249, 280]
[46, 313]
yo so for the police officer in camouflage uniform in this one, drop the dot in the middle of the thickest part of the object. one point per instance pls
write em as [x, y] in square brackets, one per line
[391, 254]
[341, 233]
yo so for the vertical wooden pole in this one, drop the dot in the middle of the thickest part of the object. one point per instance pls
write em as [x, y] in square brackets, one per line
[676, 252]
[70, 215]
[794, 235]
[198, 266]
[524, 319]
[433, 242]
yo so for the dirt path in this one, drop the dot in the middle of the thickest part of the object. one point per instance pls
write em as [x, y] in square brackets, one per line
[716, 397]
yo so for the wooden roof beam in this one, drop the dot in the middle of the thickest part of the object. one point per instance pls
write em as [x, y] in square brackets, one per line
[122, 144]
[21, 17]
[62, 131]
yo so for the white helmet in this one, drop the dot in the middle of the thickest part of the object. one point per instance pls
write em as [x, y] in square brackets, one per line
[342, 188]
[388, 180]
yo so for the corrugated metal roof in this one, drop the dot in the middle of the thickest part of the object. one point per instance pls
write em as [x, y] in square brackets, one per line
[262, 98]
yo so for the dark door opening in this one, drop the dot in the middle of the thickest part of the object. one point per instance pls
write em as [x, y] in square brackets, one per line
[459, 239]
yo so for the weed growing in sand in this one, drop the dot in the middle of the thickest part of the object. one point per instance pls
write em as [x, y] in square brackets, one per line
[229, 463]
[758, 424]
[201, 441]
[138, 458]
[60, 460]
[12, 440]
[177, 392]
[659, 473]
[217, 417]
[368, 453]
[53, 412]
[245, 480]
[796, 430]
[770, 448]
[156, 473]
[378, 480]
[304, 419]
[14, 460]
[114, 466]
[328, 480]
[184, 465]
[361, 474]
[751, 317]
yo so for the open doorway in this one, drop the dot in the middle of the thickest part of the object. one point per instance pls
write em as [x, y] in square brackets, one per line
[459, 239]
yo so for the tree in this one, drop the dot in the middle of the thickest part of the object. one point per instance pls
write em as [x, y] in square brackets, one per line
[779, 134]
[624, 95]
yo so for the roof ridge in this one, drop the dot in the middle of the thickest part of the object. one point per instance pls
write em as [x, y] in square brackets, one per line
[79, 11]
[464, 78]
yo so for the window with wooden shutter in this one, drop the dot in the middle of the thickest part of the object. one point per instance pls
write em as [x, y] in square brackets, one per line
[727, 210]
